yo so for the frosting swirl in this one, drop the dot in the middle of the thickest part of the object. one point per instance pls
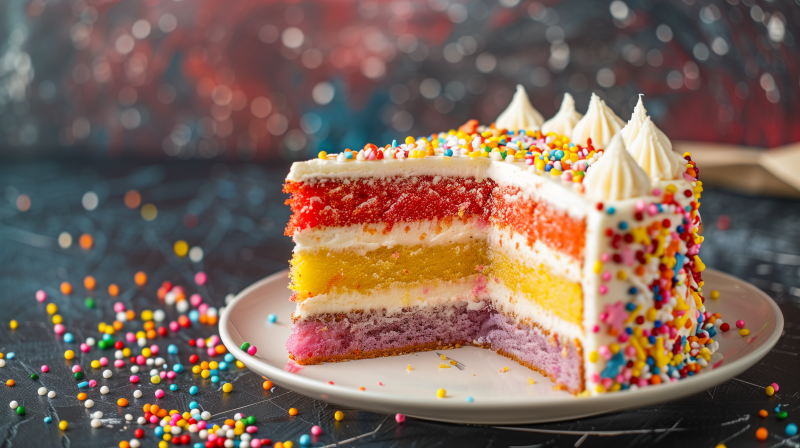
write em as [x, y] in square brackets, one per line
[631, 130]
[520, 113]
[565, 120]
[656, 159]
[616, 175]
[600, 124]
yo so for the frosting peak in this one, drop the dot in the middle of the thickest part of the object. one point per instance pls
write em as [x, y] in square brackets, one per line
[600, 124]
[520, 113]
[565, 120]
[631, 130]
[657, 159]
[616, 176]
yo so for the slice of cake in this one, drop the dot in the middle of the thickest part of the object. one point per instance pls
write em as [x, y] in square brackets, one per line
[573, 253]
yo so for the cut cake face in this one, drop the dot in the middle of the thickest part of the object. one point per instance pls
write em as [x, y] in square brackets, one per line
[566, 257]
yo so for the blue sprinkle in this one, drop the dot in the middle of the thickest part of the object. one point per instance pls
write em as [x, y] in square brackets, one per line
[178, 368]
[791, 429]
[349, 154]
[172, 349]
[470, 399]
[215, 379]
[657, 324]
[228, 357]
[193, 390]
[194, 316]
[10, 355]
[165, 366]
[448, 153]
[679, 229]
[68, 338]
[159, 431]
[214, 372]
[548, 167]
[651, 339]
[197, 445]
[629, 330]
[223, 365]
[305, 439]
[632, 291]
[272, 318]
[691, 373]
[623, 225]
[610, 210]
[778, 409]
[650, 361]
[656, 370]
[48, 419]
[106, 337]
[83, 384]
[559, 154]
[193, 405]
[173, 387]
[394, 143]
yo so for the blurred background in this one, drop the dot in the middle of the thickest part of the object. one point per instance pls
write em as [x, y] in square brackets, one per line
[267, 80]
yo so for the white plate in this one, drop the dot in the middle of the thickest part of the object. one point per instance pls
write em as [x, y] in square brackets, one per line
[499, 398]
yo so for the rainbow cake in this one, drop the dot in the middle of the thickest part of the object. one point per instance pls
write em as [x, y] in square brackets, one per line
[568, 245]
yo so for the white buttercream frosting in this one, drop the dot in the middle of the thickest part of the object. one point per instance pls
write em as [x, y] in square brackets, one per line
[616, 176]
[658, 160]
[600, 124]
[520, 113]
[631, 130]
[565, 120]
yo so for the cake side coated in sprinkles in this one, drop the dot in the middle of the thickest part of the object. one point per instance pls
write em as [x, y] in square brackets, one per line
[607, 272]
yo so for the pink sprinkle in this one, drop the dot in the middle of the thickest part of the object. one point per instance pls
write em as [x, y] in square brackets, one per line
[76, 368]
[201, 424]
[606, 276]
[775, 386]
[251, 429]
[171, 375]
[214, 340]
[316, 430]
[211, 352]
[162, 374]
[212, 437]
[652, 210]
[604, 257]
[330, 382]
[154, 419]
[134, 379]
[41, 296]
[119, 307]
[399, 418]
[196, 299]
[596, 328]
[130, 337]
[92, 383]
[59, 329]
[174, 326]
[85, 347]
[200, 278]
[656, 192]
[603, 289]
[640, 205]
[380, 383]
[200, 342]
[202, 308]
[140, 360]
[255, 443]
[45, 369]
[119, 363]
[739, 323]
[160, 393]
[252, 350]
[103, 361]
[154, 349]
[595, 377]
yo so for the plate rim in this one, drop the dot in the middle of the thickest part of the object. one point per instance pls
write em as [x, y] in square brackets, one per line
[608, 402]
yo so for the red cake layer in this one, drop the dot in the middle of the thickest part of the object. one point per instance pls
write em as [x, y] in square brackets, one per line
[539, 221]
[368, 201]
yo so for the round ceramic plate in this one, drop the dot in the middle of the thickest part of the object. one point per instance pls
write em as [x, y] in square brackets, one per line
[477, 390]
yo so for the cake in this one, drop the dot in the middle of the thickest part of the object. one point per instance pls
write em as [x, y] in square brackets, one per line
[569, 246]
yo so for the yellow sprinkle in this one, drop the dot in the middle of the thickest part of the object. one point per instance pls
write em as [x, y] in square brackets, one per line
[57, 319]
[69, 354]
[339, 416]
[239, 364]
[530, 381]
[13, 324]
[598, 267]
[744, 332]
[715, 294]
[95, 364]
[149, 212]
[147, 315]
[444, 358]
[155, 379]
[62, 425]
[452, 363]
[444, 366]
[408, 367]
[322, 155]
[227, 387]
[594, 356]
[441, 393]
[770, 391]
[181, 248]
[52, 308]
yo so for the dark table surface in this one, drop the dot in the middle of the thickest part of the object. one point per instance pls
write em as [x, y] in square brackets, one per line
[235, 213]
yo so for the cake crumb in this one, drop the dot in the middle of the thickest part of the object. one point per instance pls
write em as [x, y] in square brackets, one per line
[444, 366]
[408, 368]
[531, 381]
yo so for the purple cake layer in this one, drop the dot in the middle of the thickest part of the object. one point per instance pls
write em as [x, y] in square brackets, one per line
[373, 334]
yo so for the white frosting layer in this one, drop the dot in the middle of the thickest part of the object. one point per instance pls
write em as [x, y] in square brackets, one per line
[658, 160]
[520, 113]
[516, 246]
[616, 175]
[600, 124]
[362, 238]
[565, 120]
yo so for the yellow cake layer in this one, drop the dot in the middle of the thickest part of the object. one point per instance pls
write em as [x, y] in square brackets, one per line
[326, 271]
[536, 283]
